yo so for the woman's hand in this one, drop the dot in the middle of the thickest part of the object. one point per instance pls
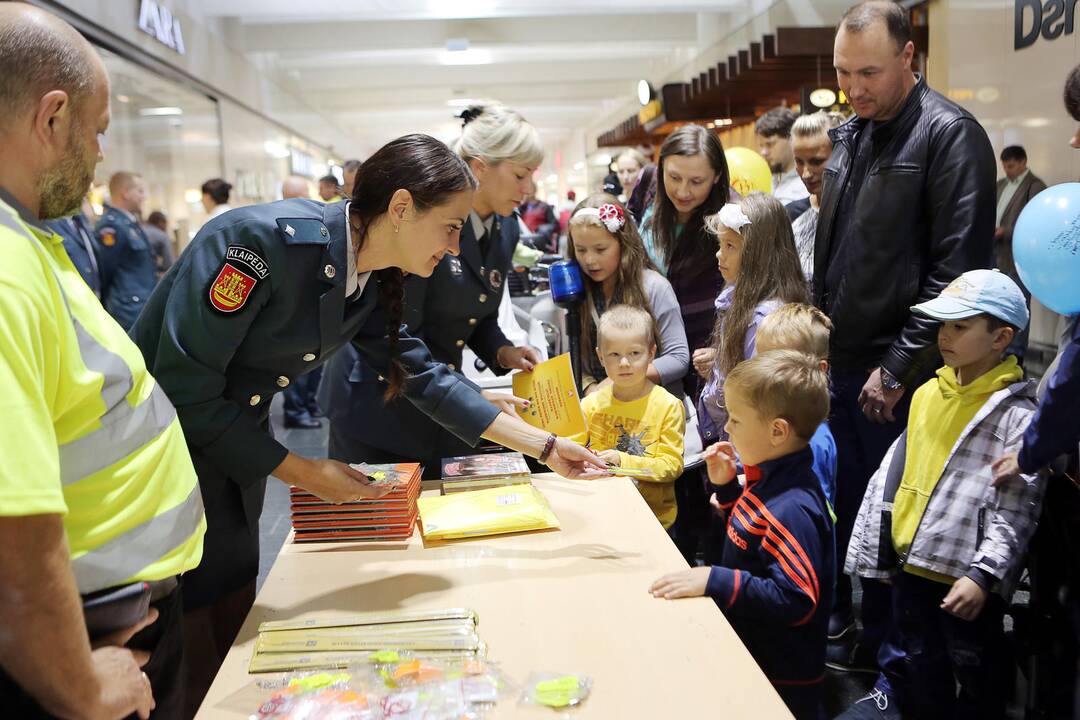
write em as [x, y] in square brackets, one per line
[517, 358]
[574, 461]
[1005, 469]
[704, 359]
[507, 402]
[329, 480]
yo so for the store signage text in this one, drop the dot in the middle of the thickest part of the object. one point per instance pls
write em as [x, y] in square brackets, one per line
[158, 22]
[1051, 19]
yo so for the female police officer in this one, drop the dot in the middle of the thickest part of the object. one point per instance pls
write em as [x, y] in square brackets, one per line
[457, 305]
[267, 292]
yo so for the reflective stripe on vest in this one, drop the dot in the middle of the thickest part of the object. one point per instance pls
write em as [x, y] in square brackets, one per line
[124, 429]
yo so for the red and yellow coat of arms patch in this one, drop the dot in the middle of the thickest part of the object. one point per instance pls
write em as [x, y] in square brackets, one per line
[231, 289]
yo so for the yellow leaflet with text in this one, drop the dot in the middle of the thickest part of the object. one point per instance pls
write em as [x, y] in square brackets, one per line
[553, 397]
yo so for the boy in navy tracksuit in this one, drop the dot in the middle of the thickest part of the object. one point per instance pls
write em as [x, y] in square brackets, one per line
[775, 580]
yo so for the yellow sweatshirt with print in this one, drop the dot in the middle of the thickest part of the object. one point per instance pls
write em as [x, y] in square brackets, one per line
[648, 433]
[940, 410]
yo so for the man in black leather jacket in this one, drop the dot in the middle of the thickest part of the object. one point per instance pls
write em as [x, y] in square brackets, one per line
[908, 205]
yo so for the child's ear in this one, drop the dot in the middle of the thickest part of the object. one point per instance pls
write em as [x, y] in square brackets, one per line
[1004, 338]
[599, 355]
[824, 365]
[652, 352]
[779, 432]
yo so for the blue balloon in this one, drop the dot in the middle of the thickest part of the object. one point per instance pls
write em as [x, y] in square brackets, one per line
[1046, 247]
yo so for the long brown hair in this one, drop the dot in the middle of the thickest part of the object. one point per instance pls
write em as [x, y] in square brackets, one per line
[431, 172]
[769, 269]
[633, 261]
[699, 247]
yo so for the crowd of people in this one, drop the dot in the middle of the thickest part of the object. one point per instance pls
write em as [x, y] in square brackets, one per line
[847, 350]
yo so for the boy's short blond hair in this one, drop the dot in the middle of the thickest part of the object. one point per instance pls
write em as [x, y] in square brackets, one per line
[784, 384]
[797, 326]
[627, 317]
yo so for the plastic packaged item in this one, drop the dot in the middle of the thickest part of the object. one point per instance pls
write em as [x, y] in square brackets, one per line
[320, 696]
[556, 690]
[516, 508]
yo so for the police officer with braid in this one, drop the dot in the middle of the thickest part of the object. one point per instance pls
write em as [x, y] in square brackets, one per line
[267, 292]
[457, 306]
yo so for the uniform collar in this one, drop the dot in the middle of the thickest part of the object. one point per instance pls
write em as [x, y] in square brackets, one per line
[353, 280]
[481, 226]
[124, 213]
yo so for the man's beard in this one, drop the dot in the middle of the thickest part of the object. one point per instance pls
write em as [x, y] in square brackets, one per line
[63, 187]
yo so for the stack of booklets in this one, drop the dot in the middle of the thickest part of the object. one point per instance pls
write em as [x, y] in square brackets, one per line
[343, 641]
[484, 471]
[391, 517]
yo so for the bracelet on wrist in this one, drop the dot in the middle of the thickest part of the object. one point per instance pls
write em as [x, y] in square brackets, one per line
[549, 445]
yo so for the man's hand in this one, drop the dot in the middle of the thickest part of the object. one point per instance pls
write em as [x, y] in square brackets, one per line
[506, 402]
[574, 461]
[876, 402]
[517, 358]
[720, 463]
[120, 638]
[611, 457]
[125, 689]
[1005, 469]
[333, 481]
[965, 599]
[704, 359]
[687, 583]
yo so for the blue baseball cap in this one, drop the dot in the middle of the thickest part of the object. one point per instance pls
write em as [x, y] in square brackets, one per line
[976, 292]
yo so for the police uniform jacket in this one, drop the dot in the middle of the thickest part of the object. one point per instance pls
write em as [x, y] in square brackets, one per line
[80, 246]
[457, 305]
[127, 265]
[256, 300]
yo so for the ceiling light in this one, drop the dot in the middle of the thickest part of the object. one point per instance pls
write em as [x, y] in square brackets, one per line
[160, 111]
[472, 56]
[276, 150]
[645, 92]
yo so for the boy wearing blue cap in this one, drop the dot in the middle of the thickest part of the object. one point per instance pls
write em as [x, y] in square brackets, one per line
[952, 545]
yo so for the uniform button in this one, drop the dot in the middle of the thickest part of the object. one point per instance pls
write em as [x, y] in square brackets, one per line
[483, 297]
[460, 343]
[451, 366]
[382, 379]
[308, 357]
[472, 321]
[135, 298]
[255, 400]
[323, 231]
[330, 271]
[283, 381]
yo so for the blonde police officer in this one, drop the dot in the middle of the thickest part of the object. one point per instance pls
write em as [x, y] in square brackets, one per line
[267, 292]
[457, 306]
[98, 494]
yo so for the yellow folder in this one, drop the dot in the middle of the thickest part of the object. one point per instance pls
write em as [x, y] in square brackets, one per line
[554, 402]
[516, 508]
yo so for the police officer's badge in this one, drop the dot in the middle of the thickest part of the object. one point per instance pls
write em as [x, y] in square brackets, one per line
[242, 271]
[455, 265]
[495, 278]
[108, 237]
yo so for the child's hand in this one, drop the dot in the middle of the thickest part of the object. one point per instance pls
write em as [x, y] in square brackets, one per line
[720, 463]
[714, 503]
[688, 583]
[1005, 469]
[965, 599]
[703, 361]
[611, 457]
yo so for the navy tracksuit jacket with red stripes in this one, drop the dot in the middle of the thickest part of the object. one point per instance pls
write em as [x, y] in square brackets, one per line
[775, 584]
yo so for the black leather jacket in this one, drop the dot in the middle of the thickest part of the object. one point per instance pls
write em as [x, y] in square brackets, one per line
[924, 215]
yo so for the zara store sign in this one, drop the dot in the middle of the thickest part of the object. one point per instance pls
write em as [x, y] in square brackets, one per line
[158, 22]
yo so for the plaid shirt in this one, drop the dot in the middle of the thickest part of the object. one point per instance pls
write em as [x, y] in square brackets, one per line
[969, 528]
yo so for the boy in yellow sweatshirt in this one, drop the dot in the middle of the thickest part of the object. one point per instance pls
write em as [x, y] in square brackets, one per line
[631, 422]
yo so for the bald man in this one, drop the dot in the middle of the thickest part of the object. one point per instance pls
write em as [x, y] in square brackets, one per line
[128, 265]
[295, 187]
[98, 495]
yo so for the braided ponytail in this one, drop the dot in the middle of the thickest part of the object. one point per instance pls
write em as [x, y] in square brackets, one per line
[431, 172]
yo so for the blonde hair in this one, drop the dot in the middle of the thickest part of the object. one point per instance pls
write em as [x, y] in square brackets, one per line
[635, 155]
[628, 317]
[816, 123]
[785, 384]
[122, 180]
[495, 134]
[796, 326]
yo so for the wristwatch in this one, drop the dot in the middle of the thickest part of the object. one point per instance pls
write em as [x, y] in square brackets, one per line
[889, 381]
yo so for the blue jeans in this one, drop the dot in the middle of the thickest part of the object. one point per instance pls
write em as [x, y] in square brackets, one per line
[942, 651]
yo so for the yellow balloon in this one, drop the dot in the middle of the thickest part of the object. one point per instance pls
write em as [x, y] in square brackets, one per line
[748, 171]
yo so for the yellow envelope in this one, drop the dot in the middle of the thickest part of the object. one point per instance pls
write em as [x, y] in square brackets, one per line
[515, 508]
[555, 405]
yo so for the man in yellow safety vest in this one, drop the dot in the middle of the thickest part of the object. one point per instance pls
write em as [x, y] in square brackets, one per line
[98, 495]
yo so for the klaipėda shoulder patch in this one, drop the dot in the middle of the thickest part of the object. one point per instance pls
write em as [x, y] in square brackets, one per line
[241, 272]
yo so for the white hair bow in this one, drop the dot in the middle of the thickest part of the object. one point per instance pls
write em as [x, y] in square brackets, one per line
[733, 217]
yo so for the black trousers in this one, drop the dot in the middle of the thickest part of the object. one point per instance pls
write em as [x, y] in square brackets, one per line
[164, 640]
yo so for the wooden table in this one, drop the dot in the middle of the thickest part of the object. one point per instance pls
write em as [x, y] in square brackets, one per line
[568, 601]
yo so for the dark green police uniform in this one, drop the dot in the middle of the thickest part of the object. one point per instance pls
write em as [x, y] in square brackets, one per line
[256, 300]
[457, 306]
